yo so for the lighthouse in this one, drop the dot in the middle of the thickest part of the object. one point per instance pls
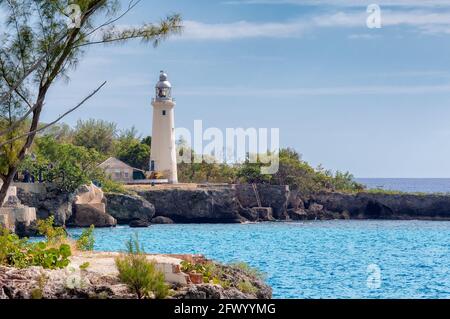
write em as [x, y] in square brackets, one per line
[163, 159]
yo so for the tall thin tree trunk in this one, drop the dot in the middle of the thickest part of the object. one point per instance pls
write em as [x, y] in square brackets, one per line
[13, 169]
[6, 184]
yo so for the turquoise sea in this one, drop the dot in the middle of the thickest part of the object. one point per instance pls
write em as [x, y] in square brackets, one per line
[322, 259]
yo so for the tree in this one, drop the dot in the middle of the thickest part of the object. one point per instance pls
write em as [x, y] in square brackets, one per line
[137, 155]
[38, 47]
[66, 165]
[96, 134]
[147, 141]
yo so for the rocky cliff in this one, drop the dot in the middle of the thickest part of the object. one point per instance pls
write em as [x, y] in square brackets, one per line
[232, 204]
[82, 208]
[236, 204]
[385, 206]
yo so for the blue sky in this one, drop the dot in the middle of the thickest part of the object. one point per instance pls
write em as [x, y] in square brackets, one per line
[375, 102]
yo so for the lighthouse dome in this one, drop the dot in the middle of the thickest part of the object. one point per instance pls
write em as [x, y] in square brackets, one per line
[163, 82]
[163, 88]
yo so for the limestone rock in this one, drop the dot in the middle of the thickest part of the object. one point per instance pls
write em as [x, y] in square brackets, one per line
[195, 205]
[264, 214]
[86, 215]
[297, 215]
[139, 223]
[386, 206]
[274, 196]
[162, 220]
[127, 208]
[48, 201]
[90, 209]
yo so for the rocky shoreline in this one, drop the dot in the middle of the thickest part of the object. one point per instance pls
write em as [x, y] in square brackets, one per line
[100, 280]
[224, 204]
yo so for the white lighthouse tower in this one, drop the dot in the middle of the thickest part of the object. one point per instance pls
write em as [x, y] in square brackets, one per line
[163, 158]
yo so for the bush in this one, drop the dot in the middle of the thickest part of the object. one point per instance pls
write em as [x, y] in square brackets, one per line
[110, 186]
[53, 234]
[247, 287]
[248, 270]
[86, 241]
[139, 274]
[20, 253]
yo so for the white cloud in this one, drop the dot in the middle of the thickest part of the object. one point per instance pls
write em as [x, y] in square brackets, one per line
[242, 29]
[422, 21]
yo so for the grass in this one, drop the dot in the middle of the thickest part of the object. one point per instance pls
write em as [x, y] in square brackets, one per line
[139, 274]
[247, 269]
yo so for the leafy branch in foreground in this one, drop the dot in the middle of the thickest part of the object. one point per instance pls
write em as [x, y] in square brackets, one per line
[38, 47]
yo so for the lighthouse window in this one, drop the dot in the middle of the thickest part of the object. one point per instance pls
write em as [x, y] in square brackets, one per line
[164, 113]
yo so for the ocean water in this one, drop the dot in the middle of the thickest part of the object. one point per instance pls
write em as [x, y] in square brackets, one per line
[321, 259]
[421, 185]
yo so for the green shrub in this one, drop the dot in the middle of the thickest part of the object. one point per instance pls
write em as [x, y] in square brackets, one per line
[53, 234]
[20, 253]
[110, 186]
[139, 274]
[38, 292]
[247, 287]
[247, 269]
[86, 241]
[208, 270]
[84, 266]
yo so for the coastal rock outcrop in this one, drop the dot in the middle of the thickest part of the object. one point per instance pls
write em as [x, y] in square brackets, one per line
[128, 208]
[195, 205]
[48, 201]
[385, 205]
[162, 220]
[90, 209]
[226, 204]
[100, 280]
[273, 196]
[229, 204]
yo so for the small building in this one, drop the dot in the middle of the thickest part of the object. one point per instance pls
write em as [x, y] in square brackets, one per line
[121, 172]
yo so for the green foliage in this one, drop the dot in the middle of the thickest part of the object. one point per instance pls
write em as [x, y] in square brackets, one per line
[299, 175]
[96, 134]
[139, 274]
[147, 141]
[38, 292]
[85, 266]
[136, 155]
[20, 253]
[130, 149]
[247, 287]
[86, 241]
[53, 234]
[248, 270]
[210, 272]
[66, 165]
[110, 186]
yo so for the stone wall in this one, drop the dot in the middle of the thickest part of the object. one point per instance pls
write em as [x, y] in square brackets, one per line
[14, 215]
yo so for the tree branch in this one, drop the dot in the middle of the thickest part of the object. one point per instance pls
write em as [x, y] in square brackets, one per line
[55, 121]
